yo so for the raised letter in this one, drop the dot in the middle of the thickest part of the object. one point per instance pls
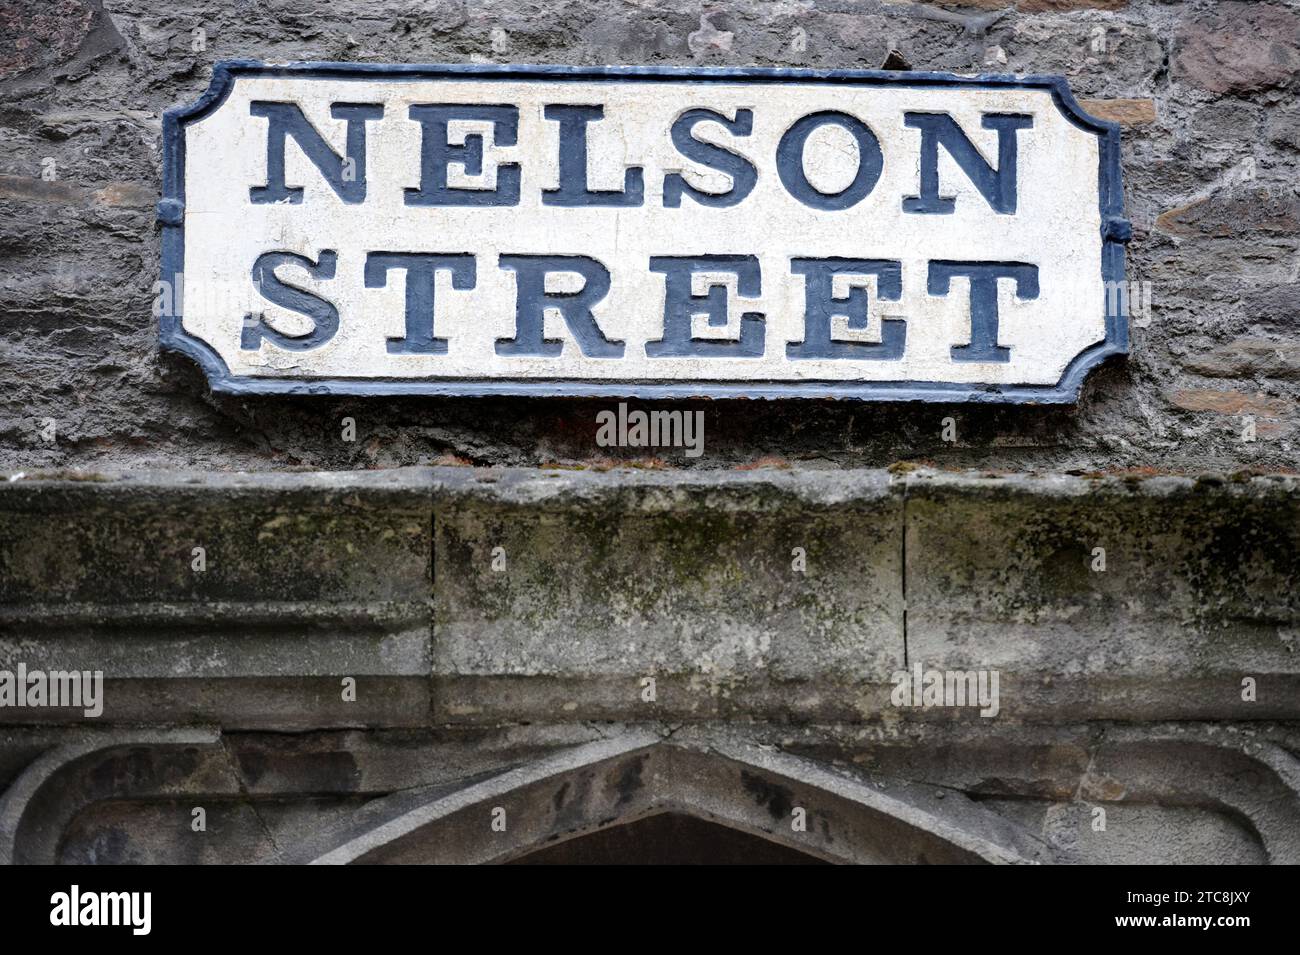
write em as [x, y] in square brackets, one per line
[324, 316]
[821, 305]
[741, 170]
[998, 186]
[286, 119]
[680, 304]
[532, 300]
[573, 189]
[436, 154]
[420, 267]
[983, 278]
[789, 161]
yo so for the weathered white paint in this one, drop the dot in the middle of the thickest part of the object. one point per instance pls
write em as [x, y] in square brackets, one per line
[1056, 227]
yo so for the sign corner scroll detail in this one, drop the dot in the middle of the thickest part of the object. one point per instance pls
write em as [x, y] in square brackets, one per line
[641, 232]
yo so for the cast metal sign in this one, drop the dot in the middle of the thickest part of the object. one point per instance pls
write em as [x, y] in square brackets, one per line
[473, 230]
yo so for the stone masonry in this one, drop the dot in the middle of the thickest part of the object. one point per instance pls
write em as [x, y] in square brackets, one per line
[461, 611]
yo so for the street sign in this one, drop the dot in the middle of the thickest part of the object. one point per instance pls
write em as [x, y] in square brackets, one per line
[475, 230]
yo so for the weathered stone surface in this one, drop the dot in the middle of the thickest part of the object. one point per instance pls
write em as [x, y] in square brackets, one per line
[1235, 213]
[1231, 402]
[1126, 112]
[918, 792]
[605, 580]
[66, 193]
[302, 584]
[1039, 6]
[1274, 305]
[1284, 128]
[1236, 47]
[1111, 59]
[1224, 124]
[39, 35]
[600, 584]
[1248, 358]
[1190, 597]
[1054, 6]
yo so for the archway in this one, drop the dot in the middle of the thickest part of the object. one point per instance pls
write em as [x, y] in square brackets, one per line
[667, 838]
[611, 792]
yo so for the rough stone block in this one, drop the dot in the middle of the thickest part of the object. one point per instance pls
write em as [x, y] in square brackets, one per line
[606, 581]
[1201, 589]
[1237, 47]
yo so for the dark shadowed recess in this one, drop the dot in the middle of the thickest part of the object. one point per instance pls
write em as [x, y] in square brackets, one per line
[669, 838]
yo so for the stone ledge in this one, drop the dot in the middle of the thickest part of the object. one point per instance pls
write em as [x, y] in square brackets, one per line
[687, 578]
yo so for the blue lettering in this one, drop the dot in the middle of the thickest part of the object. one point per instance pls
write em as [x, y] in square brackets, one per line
[324, 316]
[346, 177]
[532, 300]
[821, 305]
[436, 154]
[680, 304]
[420, 268]
[789, 161]
[998, 187]
[983, 278]
[573, 189]
[742, 172]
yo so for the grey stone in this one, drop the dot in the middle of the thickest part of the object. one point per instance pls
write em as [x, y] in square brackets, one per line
[1120, 690]
[1237, 47]
[76, 280]
[612, 578]
[1249, 358]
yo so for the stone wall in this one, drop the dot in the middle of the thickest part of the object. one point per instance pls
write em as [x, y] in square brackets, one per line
[1206, 93]
[370, 665]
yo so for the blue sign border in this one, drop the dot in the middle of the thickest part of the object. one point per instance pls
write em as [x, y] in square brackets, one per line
[1115, 229]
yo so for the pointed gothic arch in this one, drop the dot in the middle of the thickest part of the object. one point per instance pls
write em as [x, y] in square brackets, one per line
[786, 800]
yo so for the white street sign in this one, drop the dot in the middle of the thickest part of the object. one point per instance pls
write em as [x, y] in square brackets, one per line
[360, 229]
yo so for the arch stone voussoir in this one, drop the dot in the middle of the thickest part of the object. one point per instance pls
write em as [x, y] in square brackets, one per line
[840, 818]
